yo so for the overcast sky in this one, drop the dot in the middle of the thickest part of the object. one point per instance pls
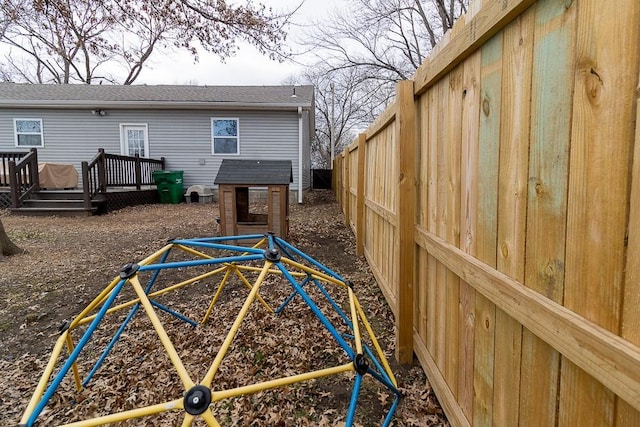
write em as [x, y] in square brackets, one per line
[248, 67]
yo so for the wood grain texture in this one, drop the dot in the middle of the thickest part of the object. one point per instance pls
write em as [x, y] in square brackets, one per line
[486, 232]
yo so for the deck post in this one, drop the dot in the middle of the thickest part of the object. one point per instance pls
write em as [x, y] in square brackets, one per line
[102, 171]
[138, 172]
[86, 195]
[14, 185]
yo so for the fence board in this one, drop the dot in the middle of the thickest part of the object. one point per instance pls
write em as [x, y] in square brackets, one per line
[602, 132]
[485, 346]
[468, 208]
[626, 415]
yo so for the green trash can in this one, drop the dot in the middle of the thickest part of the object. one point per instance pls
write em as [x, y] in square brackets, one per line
[169, 184]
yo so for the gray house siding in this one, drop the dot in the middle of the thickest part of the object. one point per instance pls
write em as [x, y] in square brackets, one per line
[183, 137]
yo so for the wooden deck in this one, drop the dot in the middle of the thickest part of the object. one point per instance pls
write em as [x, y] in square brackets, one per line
[109, 182]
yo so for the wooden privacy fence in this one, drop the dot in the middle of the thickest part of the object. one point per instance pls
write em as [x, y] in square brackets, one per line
[497, 202]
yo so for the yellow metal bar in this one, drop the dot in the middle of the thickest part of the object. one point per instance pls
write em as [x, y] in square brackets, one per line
[208, 379]
[93, 304]
[222, 284]
[260, 243]
[194, 252]
[188, 419]
[315, 273]
[148, 260]
[354, 322]
[254, 388]
[248, 285]
[44, 379]
[372, 336]
[164, 338]
[272, 271]
[156, 293]
[74, 365]
[127, 415]
[210, 419]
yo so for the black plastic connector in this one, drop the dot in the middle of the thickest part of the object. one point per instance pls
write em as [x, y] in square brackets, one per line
[128, 270]
[272, 255]
[65, 325]
[361, 364]
[197, 399]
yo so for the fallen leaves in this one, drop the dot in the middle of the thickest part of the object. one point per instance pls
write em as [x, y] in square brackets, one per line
[71, 260]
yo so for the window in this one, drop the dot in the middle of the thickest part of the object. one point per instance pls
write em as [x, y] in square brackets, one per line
[134, 140]
[225, 136]
[28, 132]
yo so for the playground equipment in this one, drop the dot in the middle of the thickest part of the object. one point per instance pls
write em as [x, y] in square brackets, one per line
[218, 257]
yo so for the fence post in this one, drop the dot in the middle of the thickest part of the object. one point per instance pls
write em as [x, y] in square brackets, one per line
[347, 188]
[406, 137]
[362, 142]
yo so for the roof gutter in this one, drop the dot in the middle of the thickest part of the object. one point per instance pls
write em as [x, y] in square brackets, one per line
[299, 154]
[154, 105]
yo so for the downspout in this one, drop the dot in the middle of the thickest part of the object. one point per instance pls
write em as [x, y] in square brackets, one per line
[300, 155]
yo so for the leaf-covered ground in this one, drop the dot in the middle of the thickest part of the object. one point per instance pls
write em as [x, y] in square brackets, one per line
[70, 260]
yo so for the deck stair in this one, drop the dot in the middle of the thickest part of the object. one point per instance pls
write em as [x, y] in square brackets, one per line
[56, 202]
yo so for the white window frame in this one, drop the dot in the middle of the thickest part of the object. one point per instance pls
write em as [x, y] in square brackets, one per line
[15, 132]
[124, 147]
[213, 149]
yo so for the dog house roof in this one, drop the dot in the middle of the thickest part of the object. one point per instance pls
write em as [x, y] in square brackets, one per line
[254, 172]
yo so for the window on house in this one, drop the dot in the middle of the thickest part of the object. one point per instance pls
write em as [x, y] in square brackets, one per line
[225, 136]
[134, 140]
[28, 132]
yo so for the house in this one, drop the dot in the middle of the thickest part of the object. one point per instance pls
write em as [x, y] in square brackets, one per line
[193, 127]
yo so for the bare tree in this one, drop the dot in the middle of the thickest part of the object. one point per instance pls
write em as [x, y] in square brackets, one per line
[84, 41]
[364, 51]
[7, 247]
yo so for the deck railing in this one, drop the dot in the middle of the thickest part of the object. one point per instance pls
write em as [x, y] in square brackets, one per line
[5, 158]
[114, 170]
[23, 174]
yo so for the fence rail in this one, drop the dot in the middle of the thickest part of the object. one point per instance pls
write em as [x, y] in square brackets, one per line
[497, 202]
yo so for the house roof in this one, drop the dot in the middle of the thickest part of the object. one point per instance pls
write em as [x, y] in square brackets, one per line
[24, 95]
[254, 172]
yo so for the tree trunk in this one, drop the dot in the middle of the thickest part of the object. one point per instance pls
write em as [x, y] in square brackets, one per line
[7, 247]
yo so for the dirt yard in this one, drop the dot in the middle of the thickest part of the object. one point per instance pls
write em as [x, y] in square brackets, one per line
[71, 260]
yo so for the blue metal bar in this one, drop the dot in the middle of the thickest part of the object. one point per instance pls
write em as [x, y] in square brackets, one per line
[270, 240]
[332, 330]
[348, 422]
[242, 249]
[383, 381]
[290, 297]
[392, 410]
[124, 324]
[310, 260]
[335, 306]
[227, 238]
[285, 251]
[195, 263]
[74, 354]
[379, 367]
[173, 313]
[111, 344]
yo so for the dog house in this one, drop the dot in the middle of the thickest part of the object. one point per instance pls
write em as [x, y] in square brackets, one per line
[253, 196]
